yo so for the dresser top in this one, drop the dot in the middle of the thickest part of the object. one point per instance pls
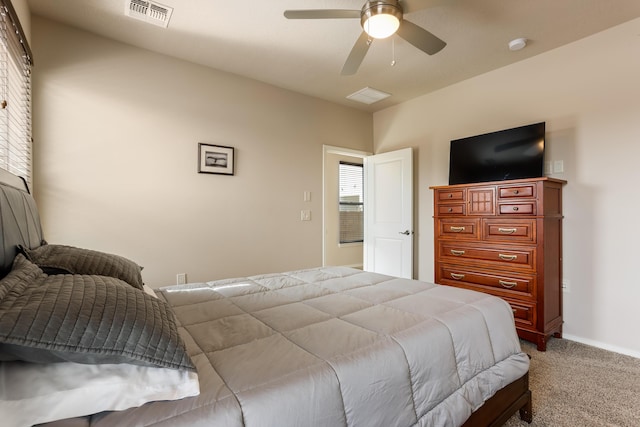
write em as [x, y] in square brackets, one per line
[505, 182]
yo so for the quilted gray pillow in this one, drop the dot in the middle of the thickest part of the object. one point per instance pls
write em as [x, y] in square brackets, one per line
[84, 319]
[61, 259]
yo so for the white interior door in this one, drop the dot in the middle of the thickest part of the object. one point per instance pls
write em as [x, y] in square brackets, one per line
[388, 207]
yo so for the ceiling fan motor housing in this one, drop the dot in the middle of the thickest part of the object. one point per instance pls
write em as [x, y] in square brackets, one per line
[385, 10]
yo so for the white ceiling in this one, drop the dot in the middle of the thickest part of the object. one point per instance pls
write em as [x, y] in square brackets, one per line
[252, 38]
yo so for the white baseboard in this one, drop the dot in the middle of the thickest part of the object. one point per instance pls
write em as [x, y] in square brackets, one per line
[598, 344]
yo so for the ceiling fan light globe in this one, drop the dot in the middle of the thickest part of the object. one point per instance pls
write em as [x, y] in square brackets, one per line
[381, 18]
[381, 26]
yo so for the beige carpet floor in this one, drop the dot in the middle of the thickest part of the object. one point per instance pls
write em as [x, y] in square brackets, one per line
[577, 385]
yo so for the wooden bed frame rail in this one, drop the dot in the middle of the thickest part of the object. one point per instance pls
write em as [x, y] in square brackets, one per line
[497, 410]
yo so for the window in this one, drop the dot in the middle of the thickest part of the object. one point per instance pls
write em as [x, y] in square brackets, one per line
[351, 205]
[15, 95]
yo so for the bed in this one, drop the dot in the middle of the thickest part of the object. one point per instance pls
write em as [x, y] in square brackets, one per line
[328, 346]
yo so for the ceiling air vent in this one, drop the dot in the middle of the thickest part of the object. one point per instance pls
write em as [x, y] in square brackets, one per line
[148, 11]
[368, 95]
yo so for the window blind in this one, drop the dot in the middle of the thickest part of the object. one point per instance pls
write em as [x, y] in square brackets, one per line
[351, 204]
[15, 95]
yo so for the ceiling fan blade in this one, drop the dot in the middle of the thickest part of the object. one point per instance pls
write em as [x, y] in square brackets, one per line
[420, 38]
[356, 56]
[321, 14]
[409, 6]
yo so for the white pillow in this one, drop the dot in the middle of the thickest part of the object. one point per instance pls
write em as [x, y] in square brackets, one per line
[32, 393]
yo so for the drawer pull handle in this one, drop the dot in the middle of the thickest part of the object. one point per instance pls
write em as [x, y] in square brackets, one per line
[507, 257]
[456, 229]
[506, 284]
[515, 191]
[450, 210]
[456, 253]
[515, 208]
[457, 276]
[450, 195]
[507, 230]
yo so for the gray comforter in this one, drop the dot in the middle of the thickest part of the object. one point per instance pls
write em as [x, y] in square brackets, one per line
[335, 347]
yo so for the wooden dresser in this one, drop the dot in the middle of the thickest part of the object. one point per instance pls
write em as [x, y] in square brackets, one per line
[505, 238]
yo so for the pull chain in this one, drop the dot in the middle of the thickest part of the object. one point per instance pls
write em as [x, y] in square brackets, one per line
[393, 52]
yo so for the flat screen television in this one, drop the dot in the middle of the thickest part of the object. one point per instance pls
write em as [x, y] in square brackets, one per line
[516, 153]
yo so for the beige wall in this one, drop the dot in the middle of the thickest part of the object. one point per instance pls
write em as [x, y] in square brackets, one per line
[116, 130]
[588, 94]
[22, 9]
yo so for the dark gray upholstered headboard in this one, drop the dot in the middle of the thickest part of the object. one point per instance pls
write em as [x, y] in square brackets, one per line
[19, 219]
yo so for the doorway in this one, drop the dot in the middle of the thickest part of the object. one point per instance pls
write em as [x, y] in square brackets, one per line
[334, 252]
[388, 212]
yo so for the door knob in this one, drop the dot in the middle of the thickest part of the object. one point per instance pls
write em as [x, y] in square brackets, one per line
[405, 232]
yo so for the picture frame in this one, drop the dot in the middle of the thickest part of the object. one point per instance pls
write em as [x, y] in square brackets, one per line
[216, 159]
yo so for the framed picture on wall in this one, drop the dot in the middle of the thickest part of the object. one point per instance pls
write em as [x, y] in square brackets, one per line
[215, 159]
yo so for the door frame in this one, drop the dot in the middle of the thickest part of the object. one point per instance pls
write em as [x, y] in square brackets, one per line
[330, 149]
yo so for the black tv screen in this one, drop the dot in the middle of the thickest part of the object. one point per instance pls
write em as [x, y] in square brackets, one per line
[516, 153]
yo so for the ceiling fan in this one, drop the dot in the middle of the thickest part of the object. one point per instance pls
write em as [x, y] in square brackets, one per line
[379, 19]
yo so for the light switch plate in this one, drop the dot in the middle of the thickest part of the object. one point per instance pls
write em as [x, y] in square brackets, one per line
[306, 196]
[558, 166]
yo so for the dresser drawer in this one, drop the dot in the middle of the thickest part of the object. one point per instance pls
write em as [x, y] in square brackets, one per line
[451, 209]
[524, 313]
[450, 195]
[520, 208]
[503, 257]
[458, 228]
[519, 191]
[512, 230]
[518, 286]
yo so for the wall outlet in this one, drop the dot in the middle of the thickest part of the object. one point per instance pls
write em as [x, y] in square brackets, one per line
[305, 215]
[181, 278]
[566, 285]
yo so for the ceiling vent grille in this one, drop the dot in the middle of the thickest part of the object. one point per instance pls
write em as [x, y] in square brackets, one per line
[368, 95]
[148, 11]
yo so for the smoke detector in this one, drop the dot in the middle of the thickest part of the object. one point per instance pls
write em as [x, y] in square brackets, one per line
[517, 44]
[148, 11]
